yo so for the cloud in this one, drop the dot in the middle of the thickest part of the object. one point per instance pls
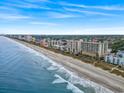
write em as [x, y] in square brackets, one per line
[11, 14]
[109, 7]
[88, 12]
[92, 31]
[4, 9]
[105, 30]
[61, 15]
[13, 17]
[70, 31]
[28, 5]
[25, 4]
[10, 11]
[43, 23]
[114, 7]
[37, 1]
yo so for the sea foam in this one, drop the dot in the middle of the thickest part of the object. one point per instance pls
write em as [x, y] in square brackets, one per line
[69, 86]
[59, 79]
[73, 78]
[52, 68]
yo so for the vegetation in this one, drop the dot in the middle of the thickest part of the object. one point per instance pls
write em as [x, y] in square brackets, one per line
[117, 72]
[87, 37]
[118, 45]
[104, 65]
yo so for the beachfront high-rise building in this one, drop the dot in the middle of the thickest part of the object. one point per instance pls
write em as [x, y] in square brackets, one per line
[94, 48]
[57, 44]
[28, 38]
[81, 46]
[74, 46]
[88, 48]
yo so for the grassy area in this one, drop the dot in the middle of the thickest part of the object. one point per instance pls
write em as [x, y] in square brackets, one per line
[121, 68]
[117, 72]
[104, 65]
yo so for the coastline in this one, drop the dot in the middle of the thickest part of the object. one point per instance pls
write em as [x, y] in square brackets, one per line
[104, 78]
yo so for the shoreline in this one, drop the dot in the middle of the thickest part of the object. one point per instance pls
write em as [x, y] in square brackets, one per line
[84, 70]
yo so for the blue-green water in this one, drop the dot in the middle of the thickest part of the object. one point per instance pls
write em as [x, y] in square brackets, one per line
[23, 70]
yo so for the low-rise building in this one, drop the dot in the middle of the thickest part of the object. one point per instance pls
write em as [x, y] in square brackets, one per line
[117, 59]
[43, 43]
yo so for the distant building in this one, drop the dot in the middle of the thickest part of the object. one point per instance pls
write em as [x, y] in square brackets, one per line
[28, 38]
[33, 39]
[37, 41]
[43, 43]
[20, 37]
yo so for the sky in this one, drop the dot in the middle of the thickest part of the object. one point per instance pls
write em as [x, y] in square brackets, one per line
[73, 17]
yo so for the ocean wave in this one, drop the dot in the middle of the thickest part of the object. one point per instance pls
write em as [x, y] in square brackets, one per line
[59, 79]
[74, 88]
[75, 79]
[87, 83]
[69, 86]
[52, 68]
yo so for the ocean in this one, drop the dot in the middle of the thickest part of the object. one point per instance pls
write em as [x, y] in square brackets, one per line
[23, 70]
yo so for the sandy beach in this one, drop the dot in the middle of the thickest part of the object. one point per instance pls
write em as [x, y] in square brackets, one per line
[104, 78]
